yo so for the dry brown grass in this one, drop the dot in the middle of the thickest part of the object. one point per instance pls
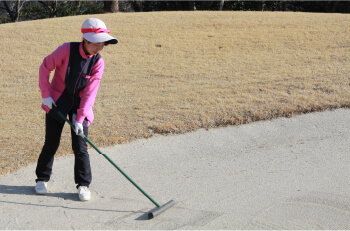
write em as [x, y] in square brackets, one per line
[175, 72]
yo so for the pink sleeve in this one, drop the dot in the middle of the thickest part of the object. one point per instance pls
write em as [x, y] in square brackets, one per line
[88, 94]
[49, 64]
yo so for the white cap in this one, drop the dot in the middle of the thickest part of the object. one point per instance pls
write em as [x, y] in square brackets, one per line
[94, 30]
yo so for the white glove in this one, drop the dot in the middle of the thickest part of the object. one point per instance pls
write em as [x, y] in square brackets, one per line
[78, 129]
[48, 102]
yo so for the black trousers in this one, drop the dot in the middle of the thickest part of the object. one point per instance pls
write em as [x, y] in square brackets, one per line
[82, 169]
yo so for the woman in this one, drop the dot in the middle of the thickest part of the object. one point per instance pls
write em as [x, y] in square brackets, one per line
[78, 72]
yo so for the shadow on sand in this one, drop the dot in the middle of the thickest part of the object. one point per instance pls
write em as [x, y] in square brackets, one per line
[30, 191]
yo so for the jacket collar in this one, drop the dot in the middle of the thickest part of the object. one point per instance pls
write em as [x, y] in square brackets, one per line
[82, 53]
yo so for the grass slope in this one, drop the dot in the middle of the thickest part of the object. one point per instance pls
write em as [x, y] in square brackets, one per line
[175, 72]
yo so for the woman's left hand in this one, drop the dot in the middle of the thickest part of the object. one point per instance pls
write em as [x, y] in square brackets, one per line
[78, 128]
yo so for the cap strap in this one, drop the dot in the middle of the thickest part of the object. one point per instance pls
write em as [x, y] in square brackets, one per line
[94, 30]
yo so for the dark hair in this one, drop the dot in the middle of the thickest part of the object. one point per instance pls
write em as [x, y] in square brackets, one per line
[105, 43]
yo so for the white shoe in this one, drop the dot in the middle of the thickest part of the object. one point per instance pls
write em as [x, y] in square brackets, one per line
[84, 193]
[41, 187]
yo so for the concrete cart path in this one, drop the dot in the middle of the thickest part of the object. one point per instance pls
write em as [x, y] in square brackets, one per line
[281, 174]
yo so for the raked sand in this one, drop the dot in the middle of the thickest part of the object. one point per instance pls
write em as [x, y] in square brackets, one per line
[282, 174]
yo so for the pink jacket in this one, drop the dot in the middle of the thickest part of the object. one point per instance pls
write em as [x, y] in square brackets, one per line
[58, 61]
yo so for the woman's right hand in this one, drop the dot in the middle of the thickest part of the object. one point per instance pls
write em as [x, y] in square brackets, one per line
[48, 102]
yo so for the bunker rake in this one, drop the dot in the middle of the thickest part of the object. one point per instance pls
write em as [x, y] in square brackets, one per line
[152, 213]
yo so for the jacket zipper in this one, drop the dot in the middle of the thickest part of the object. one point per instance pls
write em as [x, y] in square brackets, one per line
[75, 87]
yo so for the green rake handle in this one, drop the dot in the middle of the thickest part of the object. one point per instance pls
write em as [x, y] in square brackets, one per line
[116, 166]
